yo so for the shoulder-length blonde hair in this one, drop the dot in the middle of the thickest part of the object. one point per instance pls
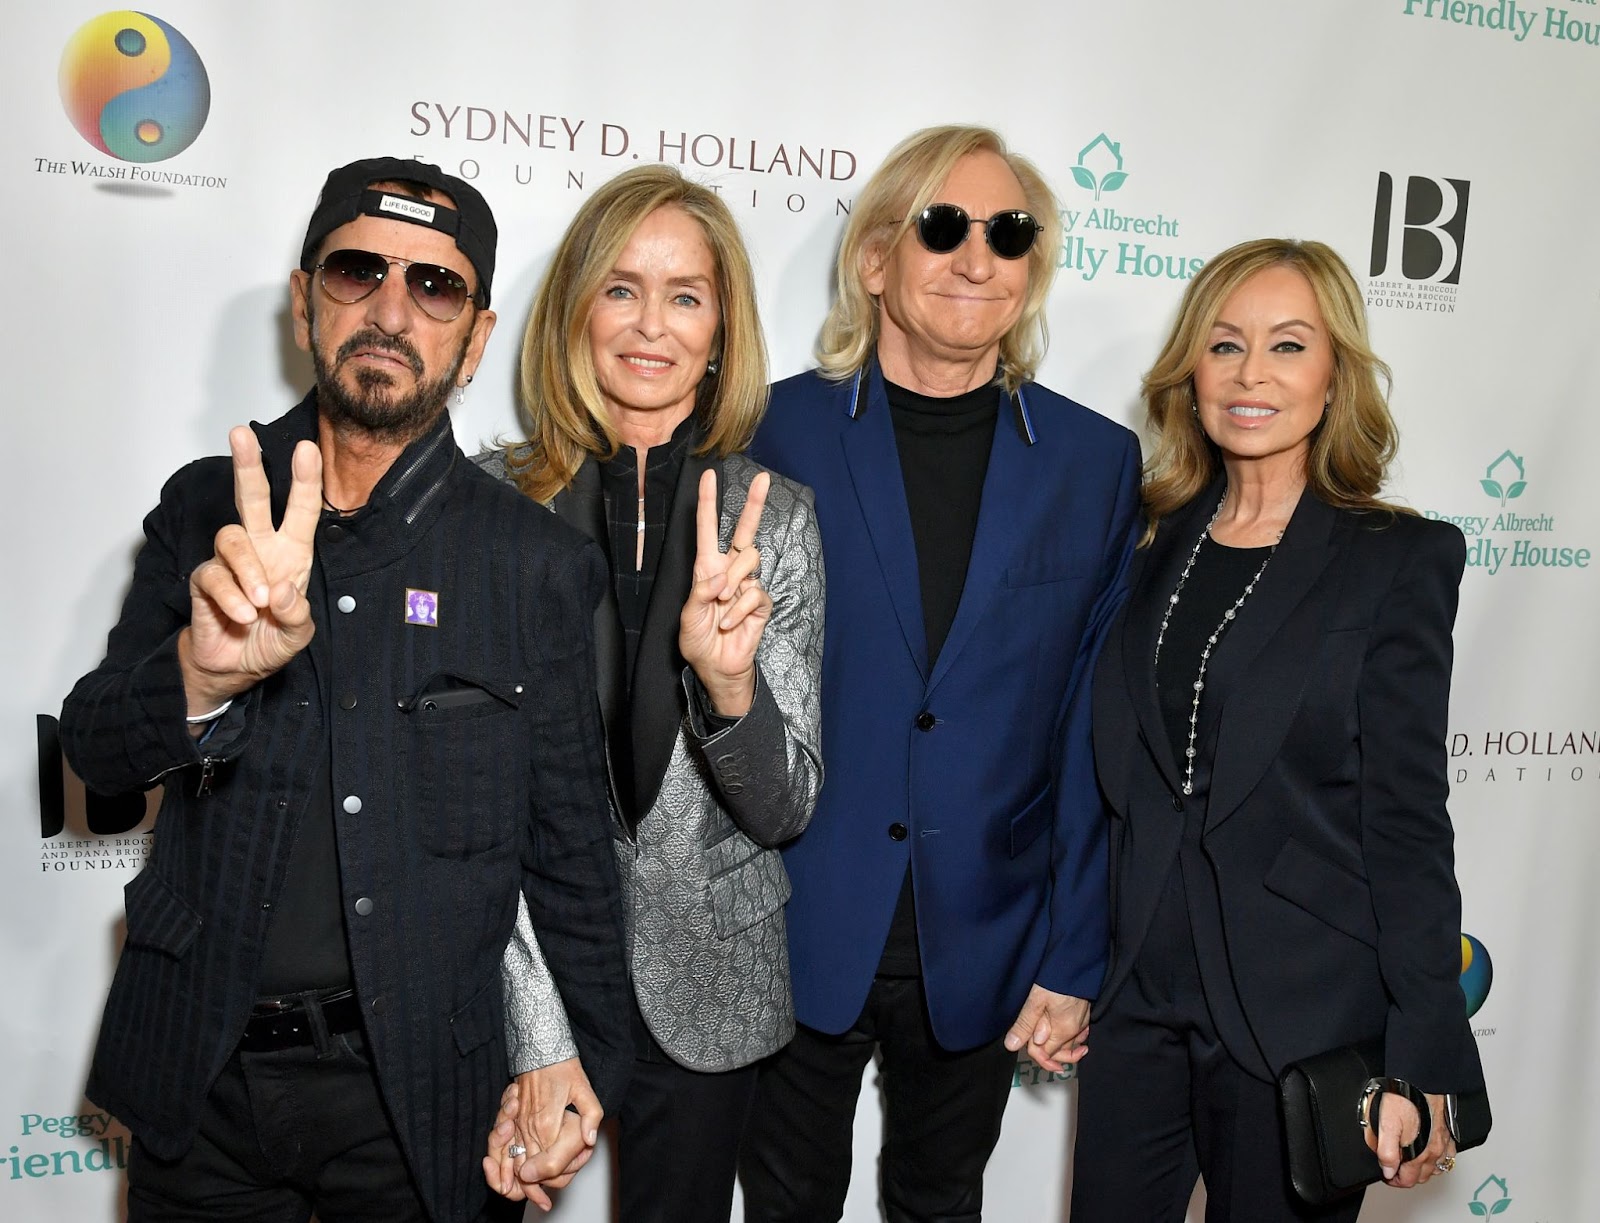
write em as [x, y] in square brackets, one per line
[561, 403]
[1352, 446]
[885, 213]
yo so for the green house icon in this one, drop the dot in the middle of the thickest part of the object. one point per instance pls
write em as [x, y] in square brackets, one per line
[1505, 478]
[1109, 154]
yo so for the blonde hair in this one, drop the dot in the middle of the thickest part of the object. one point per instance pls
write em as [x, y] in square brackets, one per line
[1352, 446]
[561, 403]
[885, 212]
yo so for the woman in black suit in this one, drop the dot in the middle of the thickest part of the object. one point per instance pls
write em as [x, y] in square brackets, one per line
[1270, 720]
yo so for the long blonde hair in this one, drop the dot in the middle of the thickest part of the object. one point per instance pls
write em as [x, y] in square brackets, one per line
[561, 403]
[1352, 446]
[885, 213]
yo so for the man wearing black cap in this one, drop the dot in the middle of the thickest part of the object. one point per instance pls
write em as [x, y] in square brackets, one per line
[363, 671]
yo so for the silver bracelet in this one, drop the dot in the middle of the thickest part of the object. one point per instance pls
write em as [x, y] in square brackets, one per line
[200, 719]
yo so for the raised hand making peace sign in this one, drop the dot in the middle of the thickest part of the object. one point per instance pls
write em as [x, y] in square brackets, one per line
[248, 610]
[727, 609]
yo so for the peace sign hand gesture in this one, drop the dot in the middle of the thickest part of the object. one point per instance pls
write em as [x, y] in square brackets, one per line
[248, 610]
[727, 609]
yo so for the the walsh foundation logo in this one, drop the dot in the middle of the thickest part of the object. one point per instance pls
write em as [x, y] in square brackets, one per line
[134, 87]
[1477, 973]
[1419, 236]
[136, 91]
[1502, 539]
[1098, 237]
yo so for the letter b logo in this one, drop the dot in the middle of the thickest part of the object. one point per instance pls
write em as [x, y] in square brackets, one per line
[61, 805]
[1423, 232]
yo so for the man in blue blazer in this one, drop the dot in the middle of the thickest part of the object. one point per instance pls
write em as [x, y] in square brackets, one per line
[949, 902]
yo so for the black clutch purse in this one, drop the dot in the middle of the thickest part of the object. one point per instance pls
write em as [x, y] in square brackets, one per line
[1328, 1102]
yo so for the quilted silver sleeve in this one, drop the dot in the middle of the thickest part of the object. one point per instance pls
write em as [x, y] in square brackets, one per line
[537, 1032]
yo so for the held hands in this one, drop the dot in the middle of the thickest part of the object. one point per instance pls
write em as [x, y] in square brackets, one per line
[1054, 1027]
[556, 1142]
[727, 609]
[1397, 1123]
[248, 610]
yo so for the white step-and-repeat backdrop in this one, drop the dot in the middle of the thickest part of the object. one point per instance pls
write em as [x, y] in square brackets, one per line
[1446, 148]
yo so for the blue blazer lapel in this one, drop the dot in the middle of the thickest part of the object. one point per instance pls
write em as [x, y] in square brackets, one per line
[1002, 515]
[1259, 668]
[874, 464]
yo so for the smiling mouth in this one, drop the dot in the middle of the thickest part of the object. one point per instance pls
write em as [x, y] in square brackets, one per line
[1244, 410]
[645, 364]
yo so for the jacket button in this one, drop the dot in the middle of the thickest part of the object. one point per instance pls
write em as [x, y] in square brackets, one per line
[926, 721]
[347, 701]
[897, 832]
[1177, 803]
[333, 531]
[352, 804]
[346, 604]
[364, 906]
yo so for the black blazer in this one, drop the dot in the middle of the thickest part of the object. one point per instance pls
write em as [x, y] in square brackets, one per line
[1322, 780]
[443, 809]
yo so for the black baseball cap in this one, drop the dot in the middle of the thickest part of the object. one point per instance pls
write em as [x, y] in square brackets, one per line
[347, 195]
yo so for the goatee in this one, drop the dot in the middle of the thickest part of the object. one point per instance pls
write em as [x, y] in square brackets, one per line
[372, 408]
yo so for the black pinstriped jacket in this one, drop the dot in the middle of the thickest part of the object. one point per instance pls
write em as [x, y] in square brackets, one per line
[443, 808]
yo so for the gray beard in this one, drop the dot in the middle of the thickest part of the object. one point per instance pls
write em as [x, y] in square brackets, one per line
[370, 410]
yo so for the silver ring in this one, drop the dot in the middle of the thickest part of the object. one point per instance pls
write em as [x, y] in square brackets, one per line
[516, 1150]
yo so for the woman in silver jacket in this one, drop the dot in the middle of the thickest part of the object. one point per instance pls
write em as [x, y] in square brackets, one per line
[643, 379]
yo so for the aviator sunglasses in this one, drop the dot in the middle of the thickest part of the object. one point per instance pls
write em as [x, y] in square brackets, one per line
[350, 276]
[944, 227]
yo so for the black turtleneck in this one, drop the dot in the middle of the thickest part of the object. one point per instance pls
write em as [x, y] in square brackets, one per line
[944, 456]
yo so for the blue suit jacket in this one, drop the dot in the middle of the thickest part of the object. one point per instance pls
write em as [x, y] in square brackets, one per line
[1003, 823]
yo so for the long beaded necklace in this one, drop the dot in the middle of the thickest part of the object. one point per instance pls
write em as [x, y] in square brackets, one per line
[1211, 642]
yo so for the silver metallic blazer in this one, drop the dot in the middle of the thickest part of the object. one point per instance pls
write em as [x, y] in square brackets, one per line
[703, 883]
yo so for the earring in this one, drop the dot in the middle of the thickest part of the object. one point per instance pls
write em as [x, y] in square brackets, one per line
[469, 379]
[712, 367]
[461, 393]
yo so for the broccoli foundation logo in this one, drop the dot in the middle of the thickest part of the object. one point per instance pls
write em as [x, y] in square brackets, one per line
[1492, 1197]
[134, 87]
[1505, 478]
[1477, 973]
[1423, 233]
[1419, 236]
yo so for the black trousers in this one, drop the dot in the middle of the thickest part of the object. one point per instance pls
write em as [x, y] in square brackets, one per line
[678, 1142]
[942, 1115]
[283, 1134]
[1162, 1102]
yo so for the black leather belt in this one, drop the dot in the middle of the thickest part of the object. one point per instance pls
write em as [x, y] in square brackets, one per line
[282, 1023]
